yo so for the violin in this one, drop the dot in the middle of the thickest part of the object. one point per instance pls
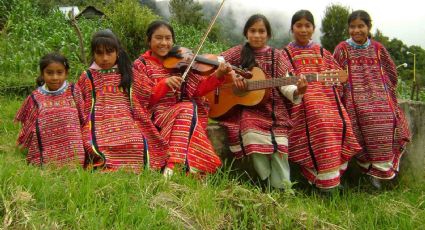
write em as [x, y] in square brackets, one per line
[181, 57]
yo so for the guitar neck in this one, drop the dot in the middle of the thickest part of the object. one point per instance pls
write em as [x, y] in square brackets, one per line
[282, 81]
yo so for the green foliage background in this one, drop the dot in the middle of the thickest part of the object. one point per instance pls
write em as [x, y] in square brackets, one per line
[30, 32]
[335, 29]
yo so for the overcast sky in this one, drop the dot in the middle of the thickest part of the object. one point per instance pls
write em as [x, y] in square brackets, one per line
[404, 20]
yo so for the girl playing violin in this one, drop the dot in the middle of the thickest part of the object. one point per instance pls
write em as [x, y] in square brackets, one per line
[177, 106]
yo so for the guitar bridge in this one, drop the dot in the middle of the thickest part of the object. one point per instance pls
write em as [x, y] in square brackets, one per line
[216, 95]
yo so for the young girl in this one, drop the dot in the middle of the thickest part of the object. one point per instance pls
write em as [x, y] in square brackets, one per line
[262, 130]
[370, 98]
[322, 140]
[111, 133]
[179, 113]
[51, 116]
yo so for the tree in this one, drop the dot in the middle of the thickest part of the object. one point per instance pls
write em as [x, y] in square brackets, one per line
[151, 4]
[334, 26]
[187, 12]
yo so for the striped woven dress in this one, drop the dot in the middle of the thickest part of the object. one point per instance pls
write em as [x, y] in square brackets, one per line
[51, 128]
[262, 128]
[182, 124]
[370, 99]
[322, 139]
[111, 136]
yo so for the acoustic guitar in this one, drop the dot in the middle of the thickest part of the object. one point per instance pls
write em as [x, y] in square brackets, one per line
[225, 97]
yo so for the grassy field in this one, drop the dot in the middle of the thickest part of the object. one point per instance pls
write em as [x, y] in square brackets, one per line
[71, 198]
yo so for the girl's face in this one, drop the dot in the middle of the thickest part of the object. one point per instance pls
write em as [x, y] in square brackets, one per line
[358, 31]
[54, 75]
[105, 57]
[257, 35]
[161, 42]
[302, 31]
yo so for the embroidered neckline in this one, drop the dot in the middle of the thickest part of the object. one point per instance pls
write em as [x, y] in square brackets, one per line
[309, 45]
[260, 50]
[356, 45]
[44, 90]
[113, 70]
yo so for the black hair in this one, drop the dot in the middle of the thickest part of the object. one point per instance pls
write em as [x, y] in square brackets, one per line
[307, 15]
[153, 26]
[247, 53]
[362, 15]
[48, 59]
[108, 40]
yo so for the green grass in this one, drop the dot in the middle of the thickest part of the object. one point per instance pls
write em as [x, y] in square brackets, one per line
[71, 198]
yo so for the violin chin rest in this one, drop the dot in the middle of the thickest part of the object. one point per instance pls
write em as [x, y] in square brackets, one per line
[174, 52]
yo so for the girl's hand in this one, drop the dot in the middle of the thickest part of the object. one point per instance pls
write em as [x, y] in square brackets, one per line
[301, 86]
[223, 69]
[239, 81]
[174, 82]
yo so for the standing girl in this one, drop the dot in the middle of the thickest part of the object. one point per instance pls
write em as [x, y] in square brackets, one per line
[261, 131]
[51, 116]
[178, 108]
[370, 99]
[322, 140]
[111, 134]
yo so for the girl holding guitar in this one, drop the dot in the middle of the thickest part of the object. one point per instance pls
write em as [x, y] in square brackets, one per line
[322, 139]
[261, 131]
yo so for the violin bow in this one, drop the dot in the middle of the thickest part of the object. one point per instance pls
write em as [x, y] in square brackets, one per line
[202, 41]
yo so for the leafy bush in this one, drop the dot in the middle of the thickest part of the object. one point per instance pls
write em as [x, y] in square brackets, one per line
[129, 20]
[5, 7]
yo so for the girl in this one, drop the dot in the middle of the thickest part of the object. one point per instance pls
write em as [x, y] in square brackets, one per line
[262, 130]
[370, 99]
[51, 117]
[178, 112]
[322, 140]
[111, 133]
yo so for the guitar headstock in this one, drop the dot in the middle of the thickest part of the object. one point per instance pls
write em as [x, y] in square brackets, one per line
[333, 77]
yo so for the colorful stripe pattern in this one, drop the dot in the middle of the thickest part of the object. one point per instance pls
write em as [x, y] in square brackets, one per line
[370, 99]
[322, 139]
[51, 127]
[111, 136]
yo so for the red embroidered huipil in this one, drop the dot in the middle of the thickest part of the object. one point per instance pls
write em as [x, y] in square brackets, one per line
[182, 124]
[51, 128]
[370, 99]
[322, 139]
[111, 135]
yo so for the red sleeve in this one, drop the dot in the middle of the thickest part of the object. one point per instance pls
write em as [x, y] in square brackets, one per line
[79, 102]
[85, 87]
[207, 85]
[27, 116]
[158, 91]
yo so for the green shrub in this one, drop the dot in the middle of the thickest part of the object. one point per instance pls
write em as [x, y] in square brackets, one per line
[5, 8]
[129, 20]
